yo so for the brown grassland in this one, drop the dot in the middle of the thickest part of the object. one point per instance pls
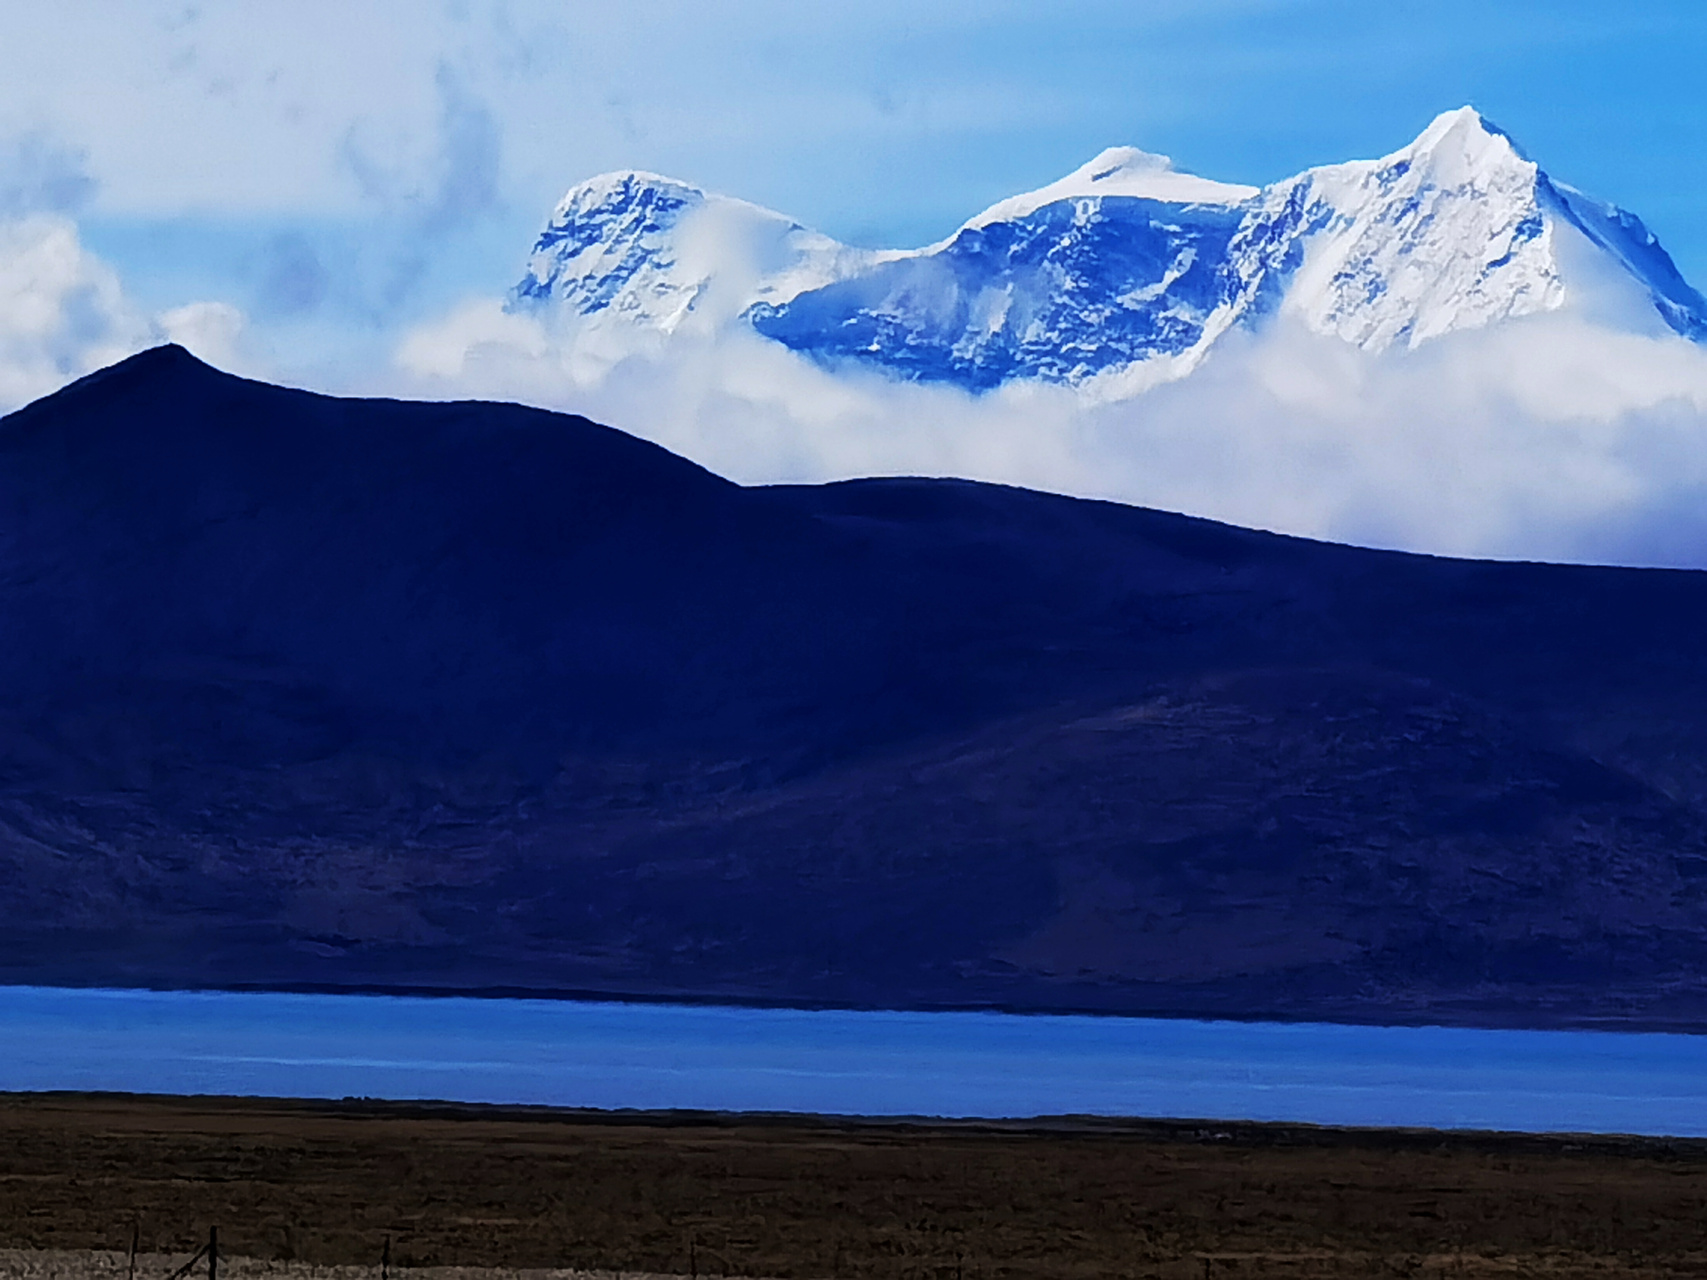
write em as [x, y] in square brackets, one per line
[315, 1189]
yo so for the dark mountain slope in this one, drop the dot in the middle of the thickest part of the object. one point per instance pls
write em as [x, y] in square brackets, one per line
[467, 696]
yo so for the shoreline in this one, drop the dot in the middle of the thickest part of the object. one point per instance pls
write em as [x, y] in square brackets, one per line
[1472, 1020]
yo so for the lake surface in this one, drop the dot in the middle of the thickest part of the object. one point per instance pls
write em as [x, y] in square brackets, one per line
[934, 1064]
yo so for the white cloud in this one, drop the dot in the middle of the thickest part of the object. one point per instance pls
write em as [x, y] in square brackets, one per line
[454, 348]
[212, 331]
[64, 313]
[63, 309]
[1551, 437]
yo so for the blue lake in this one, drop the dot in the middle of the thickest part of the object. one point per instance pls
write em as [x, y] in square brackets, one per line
[932, 1064]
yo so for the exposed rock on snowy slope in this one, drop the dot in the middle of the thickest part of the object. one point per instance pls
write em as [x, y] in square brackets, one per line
[1125, 260]
[652, 251]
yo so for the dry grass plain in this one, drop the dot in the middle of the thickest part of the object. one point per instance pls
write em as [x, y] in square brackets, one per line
[312, 1191]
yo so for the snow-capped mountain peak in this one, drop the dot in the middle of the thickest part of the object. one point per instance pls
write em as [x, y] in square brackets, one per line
[1450, 232]
[1459, 144]
[1119, 171]
[608, 245]
[1123, 261]
[651, 251]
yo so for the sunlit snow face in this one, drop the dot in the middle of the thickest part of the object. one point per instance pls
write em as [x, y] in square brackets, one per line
[1451, 233]
[1125, 261]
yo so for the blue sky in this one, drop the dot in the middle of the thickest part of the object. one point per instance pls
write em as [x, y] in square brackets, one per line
[338, 169]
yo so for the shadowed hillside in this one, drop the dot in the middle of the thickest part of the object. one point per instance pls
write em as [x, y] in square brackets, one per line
[297, 690]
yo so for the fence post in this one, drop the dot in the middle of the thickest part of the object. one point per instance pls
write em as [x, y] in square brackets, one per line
[213, 1253]
[385, 1260]
[135, 1236]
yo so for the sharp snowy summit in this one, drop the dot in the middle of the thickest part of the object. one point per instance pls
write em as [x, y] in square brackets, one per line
[1125, 262]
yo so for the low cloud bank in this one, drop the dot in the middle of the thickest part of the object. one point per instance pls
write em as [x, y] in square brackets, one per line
[1553, 437]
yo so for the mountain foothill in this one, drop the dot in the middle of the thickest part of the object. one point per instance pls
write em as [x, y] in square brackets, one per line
[307, 692]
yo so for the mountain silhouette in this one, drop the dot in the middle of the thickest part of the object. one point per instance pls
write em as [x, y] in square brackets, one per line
[298, 691]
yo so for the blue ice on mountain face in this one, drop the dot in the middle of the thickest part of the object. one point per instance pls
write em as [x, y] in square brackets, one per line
[604, 235]
[1074, 288]
[1125, 261]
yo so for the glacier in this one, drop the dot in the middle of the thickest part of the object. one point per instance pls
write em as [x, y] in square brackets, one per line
[1126, 261]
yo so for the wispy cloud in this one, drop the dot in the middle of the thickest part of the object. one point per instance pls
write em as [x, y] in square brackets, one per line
[440, 187]
[470, 146]
[40, 173]
[293, 279]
